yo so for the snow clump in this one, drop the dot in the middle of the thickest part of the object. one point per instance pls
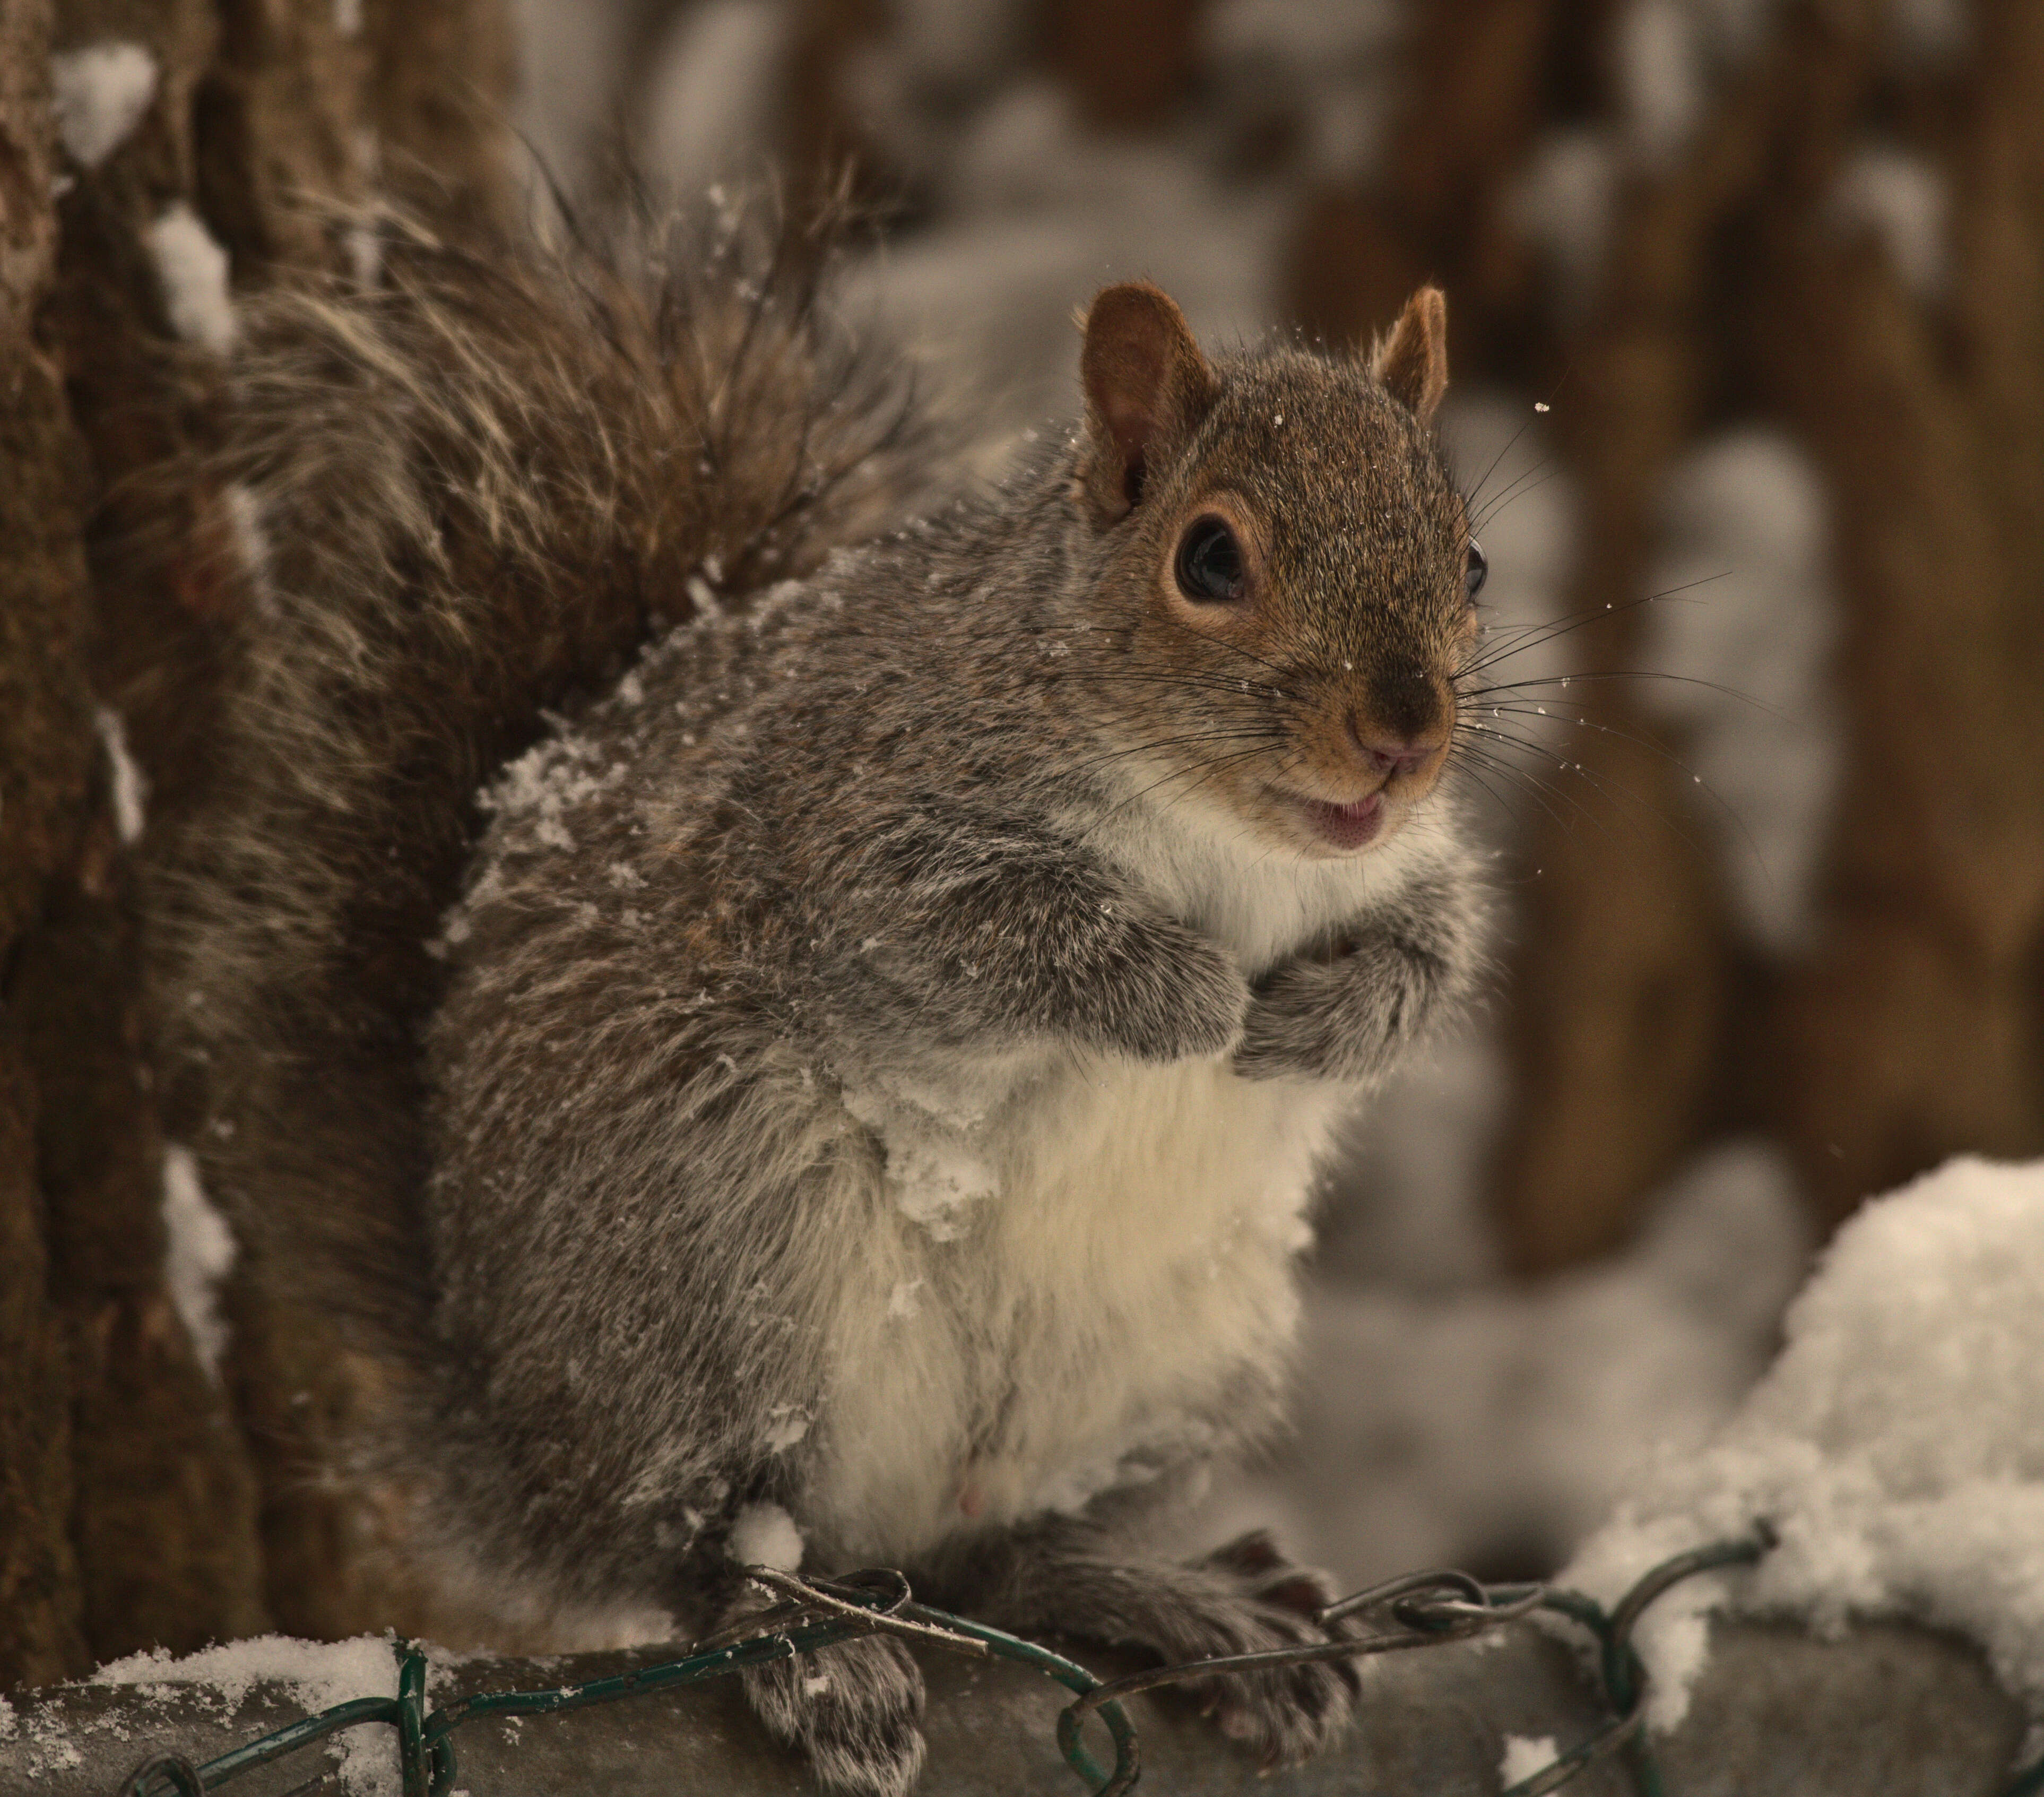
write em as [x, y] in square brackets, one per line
[131, 788]
[1524, 1755]
[100, 94]
[317, 1675]
[1896, 1448]
[764, 1534]
[199, 1251]
[193, 270]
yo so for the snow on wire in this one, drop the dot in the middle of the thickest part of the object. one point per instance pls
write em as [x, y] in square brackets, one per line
[1420, 1610]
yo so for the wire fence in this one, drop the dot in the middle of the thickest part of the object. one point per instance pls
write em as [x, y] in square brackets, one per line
[1420, 1609]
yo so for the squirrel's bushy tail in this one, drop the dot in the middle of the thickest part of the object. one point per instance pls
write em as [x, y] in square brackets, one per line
[476, 487]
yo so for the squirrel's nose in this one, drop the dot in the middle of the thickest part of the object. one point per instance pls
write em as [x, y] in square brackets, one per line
[1390, 755]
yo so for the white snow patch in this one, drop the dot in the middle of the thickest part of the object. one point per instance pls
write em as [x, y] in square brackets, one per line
[1525, 1755]
[1933, 32]
[1902, 199]
[1332, 69]
[1037, 211]
[131, 786]
[193, 270]
[711, 92]
[1896, 1445]
[1672, 56]
[764, 1534]
[100, 94]
[1659, 76]
[902, 1302]
[200, 1252]
[1563, 201]
[318, 1674]
[1745, 636]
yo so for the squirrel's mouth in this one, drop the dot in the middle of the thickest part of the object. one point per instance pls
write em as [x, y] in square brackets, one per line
[1341, 827]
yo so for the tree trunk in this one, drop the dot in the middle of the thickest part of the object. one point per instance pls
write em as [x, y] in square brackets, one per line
[143, 1501]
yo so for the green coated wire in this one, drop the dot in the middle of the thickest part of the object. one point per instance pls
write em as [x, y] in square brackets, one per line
[426, 1751]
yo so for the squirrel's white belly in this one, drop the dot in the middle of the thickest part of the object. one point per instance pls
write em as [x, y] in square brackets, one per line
[1076, 1270]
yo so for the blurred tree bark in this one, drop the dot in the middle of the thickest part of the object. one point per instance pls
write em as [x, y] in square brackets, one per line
[1732, 286]
[141, 1502]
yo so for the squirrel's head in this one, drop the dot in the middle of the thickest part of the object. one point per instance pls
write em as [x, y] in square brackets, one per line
[1285, 565]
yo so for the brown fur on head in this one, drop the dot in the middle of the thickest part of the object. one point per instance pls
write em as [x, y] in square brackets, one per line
[1286, 558]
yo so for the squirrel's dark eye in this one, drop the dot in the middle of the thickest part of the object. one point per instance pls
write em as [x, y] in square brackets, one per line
[1479, 565]
[1209, 566]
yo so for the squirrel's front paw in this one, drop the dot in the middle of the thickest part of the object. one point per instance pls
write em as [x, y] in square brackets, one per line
[1354, 1011]
[855, 1709]
[1260, 1600]
[1172, 996]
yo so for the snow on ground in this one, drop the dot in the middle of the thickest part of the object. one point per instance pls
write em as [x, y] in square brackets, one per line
[198, 1253]
[100, 93]
[1896, 1446]
[318, 1674]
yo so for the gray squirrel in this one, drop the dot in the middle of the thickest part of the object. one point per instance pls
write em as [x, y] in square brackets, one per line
[848, 1090]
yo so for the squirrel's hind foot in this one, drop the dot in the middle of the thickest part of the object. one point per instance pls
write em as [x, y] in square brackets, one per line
[1287, 1714]
[855, 1709]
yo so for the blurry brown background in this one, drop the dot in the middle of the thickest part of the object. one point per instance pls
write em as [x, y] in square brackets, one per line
[1747, 332]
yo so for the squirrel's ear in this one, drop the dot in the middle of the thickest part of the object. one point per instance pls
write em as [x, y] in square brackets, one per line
[1147, 388]
[1413, 361]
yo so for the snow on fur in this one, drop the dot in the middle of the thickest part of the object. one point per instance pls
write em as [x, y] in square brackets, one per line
[764, 1534]
[1896, 1446]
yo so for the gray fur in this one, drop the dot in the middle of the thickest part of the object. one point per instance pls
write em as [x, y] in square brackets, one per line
[1352, 1010]
[688, 1102]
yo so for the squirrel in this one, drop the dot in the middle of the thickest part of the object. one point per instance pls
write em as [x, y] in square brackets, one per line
[804, 1022]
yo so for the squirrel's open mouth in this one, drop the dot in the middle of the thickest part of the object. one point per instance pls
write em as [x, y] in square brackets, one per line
[1342, 826]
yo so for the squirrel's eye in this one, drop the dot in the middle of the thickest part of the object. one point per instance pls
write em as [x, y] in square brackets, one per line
[1479, 565]
[1209, 567]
